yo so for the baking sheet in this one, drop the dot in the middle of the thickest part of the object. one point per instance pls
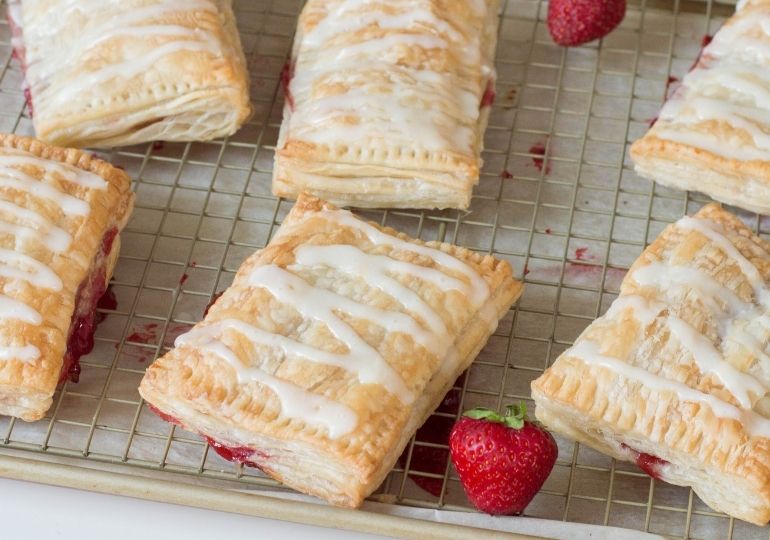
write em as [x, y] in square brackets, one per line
[557, 198]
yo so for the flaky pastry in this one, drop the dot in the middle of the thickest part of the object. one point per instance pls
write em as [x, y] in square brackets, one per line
[713, 134]
[387, 102]
[331, 347]
[61, 213]
[675, 376]
[117, 72]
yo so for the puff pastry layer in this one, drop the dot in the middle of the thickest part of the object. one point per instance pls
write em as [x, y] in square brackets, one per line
[387, 102]
[713, 135]
[61, 212]
[675, 375]
[331, 347]
[117, 72]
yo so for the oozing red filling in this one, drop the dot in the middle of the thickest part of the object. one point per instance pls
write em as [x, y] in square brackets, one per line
[647, 462]
[213, 301]
[236, 454]
[489, 95]
[84, 320]
[20, 53]
[287, 74]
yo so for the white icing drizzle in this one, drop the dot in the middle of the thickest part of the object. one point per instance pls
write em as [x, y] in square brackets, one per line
[10, 308]
[315, 303]
[27, 224]
[362, 367]
[435, 109]
[744, 387]
[69, 173]
[56, 238]
[16, 179]
[137, 23]
[731, 86]
[642, 310]
[589, 353]
[320, 304]
[27, 353]
[39, 274]
[750, 272]
[334, 24]
[296, 402]
[374, 270]
[479, 290]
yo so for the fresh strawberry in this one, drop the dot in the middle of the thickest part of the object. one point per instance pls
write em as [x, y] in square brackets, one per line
[502, 461]
[572, 22]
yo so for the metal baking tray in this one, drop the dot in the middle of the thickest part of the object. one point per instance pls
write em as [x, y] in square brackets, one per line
[557, 198]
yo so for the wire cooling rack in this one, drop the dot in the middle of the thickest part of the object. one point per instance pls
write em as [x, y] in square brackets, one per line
[558, 198]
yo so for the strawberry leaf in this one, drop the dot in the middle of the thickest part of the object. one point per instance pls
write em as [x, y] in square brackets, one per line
[482, 413]
[515, 415]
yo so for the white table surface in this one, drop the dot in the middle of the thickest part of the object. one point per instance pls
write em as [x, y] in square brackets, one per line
[35, 511]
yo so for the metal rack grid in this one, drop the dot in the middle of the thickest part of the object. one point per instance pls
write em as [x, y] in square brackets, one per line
[557, 198]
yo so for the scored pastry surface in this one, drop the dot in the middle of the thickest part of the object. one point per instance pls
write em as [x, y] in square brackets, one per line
[677, 371]
[331, 347]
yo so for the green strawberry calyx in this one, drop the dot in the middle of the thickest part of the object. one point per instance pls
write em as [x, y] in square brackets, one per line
[513, 418]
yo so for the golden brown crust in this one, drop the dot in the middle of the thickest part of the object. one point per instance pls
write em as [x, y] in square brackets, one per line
[643, 397]
[192, 384]
[26, 387]
[172, 85]
[710, 135]
[364, 153]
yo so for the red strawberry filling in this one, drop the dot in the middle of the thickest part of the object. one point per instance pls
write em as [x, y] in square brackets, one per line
[81, 337]
[236, 454]
[488, 98]
[287, 74]
[652, 465]
[17, 44]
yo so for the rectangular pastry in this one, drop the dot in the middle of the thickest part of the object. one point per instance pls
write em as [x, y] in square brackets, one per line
[675, 376]
[713, 135]
[61, 213]
[387, 102]
[114, 73]
[331, 347]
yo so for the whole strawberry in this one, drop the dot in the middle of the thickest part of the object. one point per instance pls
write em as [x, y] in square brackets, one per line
[502, 461]
[572, 22]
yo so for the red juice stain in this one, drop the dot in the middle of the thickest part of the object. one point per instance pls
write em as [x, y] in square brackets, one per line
[163, 416]
[158, 145]
[147, 334]
[671, 80]
[488, 98]
[435, 430]
[80, 340]
[213, 301]
[539, 149]
[173, 331]
[107, 301]
[506, 174]
[581, 254]
[647, 462]
[703, 44]
[287, 74]
[236, 454]
[184, 278]
[548, 230]
[526, 270]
